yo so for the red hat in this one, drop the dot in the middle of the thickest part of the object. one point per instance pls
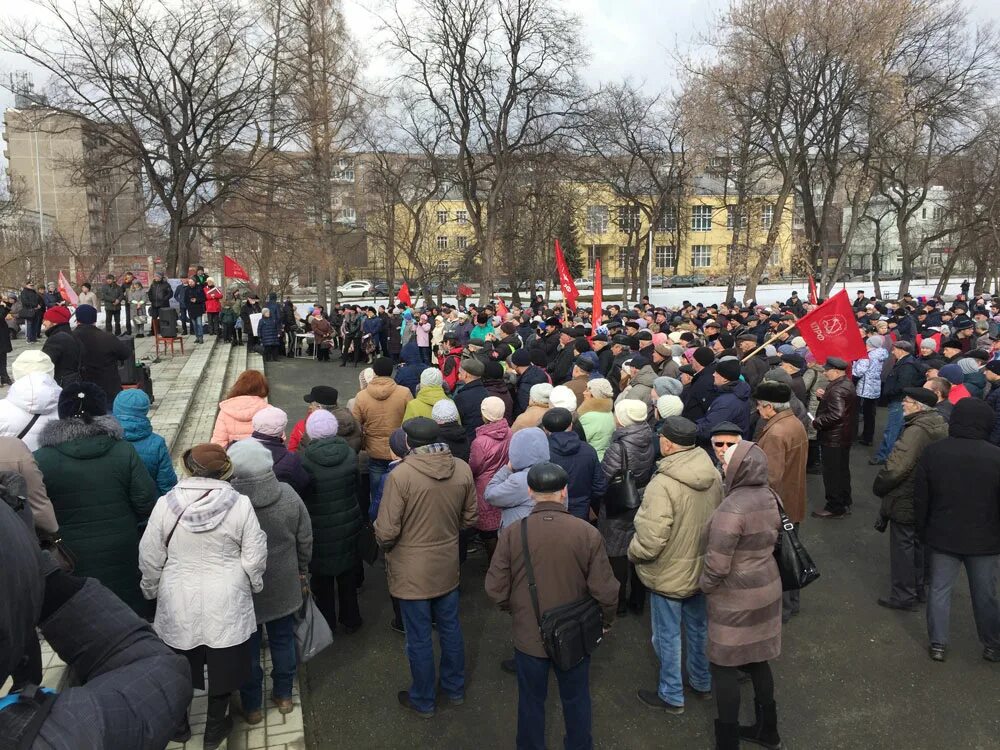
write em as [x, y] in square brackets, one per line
[57, 315]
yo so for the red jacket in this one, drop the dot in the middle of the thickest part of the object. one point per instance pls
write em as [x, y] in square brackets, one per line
[298, 432]
[213, 295]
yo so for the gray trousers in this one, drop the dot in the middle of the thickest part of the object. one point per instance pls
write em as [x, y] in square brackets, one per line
[906, 563]
[982, 574]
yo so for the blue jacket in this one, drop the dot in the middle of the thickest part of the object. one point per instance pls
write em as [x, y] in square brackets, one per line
[269, 331]
[508, 490]
[130, 409]
[179, 297]
[532, 376]
[372, 326]
[587, 480]
[699, 394]
[468, 399]
[376, 502]
[731, 405]
[409, 373]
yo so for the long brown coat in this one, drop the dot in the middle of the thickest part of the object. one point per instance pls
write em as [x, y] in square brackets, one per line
[786, 445]
[379, 409]
[740, 575]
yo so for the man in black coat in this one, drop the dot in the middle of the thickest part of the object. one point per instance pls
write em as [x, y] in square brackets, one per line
[699, 394]
[469, 395]
[159, 294]
[61, 346]
[194, 298]
[110, 294]
[835, 423]
[100, 353]
[180, 295]
[32, 308]
[587, 480]
[528, 374]
[561, 366]
[956, 496]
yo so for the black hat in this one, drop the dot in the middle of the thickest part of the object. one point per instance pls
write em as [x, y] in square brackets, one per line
[979, 354]
[993, 366]
[493, 370]
[962, 322]
[477, 341]
[923, 395]
[679, 430]
[729, 369]
[727, 340]
[576, 331]
[82, 399]
[687, 370]
[770, 390]
[726, 428]
[450, 336]
[538, 357]
[704, 356]
[797, 360]
[584, 363]
[638, 362]
[383, 367]
[324, 395]
[553, 321]
[600, 337]
[557, 420]
[521, 358]
[644, 335]
[835, 363]
[547, 477]
[951, 344]
[747, 338]
[621, 338]
[421, 431]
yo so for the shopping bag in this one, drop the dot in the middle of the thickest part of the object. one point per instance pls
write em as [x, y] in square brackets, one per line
[312, 633]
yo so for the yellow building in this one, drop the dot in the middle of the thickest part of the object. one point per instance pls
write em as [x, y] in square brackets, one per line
[445, 236]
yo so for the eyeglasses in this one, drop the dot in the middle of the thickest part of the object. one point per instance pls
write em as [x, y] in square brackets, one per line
[724, 443]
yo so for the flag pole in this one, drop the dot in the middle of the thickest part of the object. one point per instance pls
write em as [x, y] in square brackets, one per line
[774, 338]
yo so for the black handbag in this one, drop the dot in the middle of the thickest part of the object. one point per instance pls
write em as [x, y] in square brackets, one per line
[570, 632]
[622, 495]
[795, 565]
[367, 544]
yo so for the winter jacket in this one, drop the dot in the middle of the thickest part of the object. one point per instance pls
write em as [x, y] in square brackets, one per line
[65, 352]
[836, 421]
[379, 410]
[269, 331]
[110, 295]
[33, 394]
[421, 406]
[428, 499]
[532, 376]
[640, 387]
[598, 423]
[180, 296]
[204, 582]
[993, 399]
[642, 448]
[453, 434]
[699, 394]
[508, 489]
[732, 404]
[194, 300]
[487, 454]
[894, 482]
[754, 369]
[408, 374]
[100, 355]
[785, 444]
[499, 389]
[159, 294]
[668, 547]
[213, 299]
[287, 465]
[130, 409]
[450, 364]
[333, 505]
[235, 420]
[975, 382]
[908, 372]
[869, 373]
[740, 576]
[15, 456]
[347, 428]
[587, 481]
[469, 399]
[285, 522]
[956, 488]
[560, 367]
[530, 417]
[102, 494]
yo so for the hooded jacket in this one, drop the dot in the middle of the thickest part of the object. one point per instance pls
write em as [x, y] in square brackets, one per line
[487, 454]
[894, 482]
[429, 497]
[587, 481]
[732, 404]
[669, 544]
[102, 494]
[455, 436]
[508, 489]
[408, 374]
[235, 420]
[423, 403]
[33, 394]
[640, 387]
[379, 410]
[869, 373]
[287, 465]
[598, 423]
[333, 504]
[130, 409]
[204, 582]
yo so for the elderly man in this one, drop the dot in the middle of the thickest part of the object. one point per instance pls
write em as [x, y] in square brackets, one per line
[582, 368]
[528, 375]
[470, 394]
[700, 392]
[835, 424]
[732, 404]
[907, 372]
[724, 436]
[922, 425]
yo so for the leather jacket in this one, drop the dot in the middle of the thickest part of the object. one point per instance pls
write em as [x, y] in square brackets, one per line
[836, 420]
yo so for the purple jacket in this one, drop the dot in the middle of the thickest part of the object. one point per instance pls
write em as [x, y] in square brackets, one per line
[486, 457]
[287, 465]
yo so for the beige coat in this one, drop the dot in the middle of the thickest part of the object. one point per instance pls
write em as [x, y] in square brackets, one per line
[530, 417]
[783, 440]
[379, 409]
[15, 456]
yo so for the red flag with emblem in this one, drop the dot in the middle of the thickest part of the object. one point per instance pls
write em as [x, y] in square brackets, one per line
[465, 290]
[66, 291]
[233, 270]
[565, 279]
[831, 331]
[501, 308]
[404, 294]
[598, 304]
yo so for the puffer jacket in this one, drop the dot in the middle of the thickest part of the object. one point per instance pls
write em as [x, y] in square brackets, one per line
[640, 387]
[269, 331]
[508, 489]
[333, 505]
[668, 547]
[235, 420]
[487, 455]
[587, 481]
[130, 409]
[869, 373]
[287, 465]
[213, 299]
[598, 423]
[421, 406]
[379, 410]
[33, 394]
[894, 482]
[732, 404]
[204, 584]
[641, 446]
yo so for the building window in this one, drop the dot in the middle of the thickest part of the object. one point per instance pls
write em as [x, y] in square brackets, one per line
[597, 219]
[731, 213]
[442, 217]
[442, 243]
[593, 253]
[923, 212]
[442, 266]
[701, 218]
[937, 213]
[701, 256]
[668, 219]
[767, 216]
[666, 256]
[345, 171]
[348, 215]
[729, 256]
[461, 217]
[629, 218]
[461, 242]
[623, 256]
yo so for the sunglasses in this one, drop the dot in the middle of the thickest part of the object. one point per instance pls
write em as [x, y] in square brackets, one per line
[723, 443]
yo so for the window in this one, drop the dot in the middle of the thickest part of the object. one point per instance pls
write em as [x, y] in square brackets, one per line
[442, 217]
[597, 219]
[767, 216]
[668, 219]
[666, 256]
[701, 218]
[701, 256]
[593, 253]
[345, 171]
[442, 266]
[461, 242]
[731, 213]
[461, 217]
[442, 243]
[629, 218]
[937, 213]
[348, 215]
[923, 212]
[623, 256]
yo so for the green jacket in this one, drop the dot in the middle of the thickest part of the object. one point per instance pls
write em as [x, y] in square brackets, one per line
[102, 494]
[894, 483]
[333, 504]
[421, 406]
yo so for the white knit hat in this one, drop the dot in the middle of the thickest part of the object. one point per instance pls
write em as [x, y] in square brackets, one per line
[600, 388]
[630, 411]
[31, 360]
[540, 393]
[431, 376]
[563, 398]
[669, 406]
[444, 411]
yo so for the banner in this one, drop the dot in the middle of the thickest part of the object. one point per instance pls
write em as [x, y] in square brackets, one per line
[233, 270]
[66, 291]
[831, 331]
[465, 290]
[565, 279]
[404, 294]
[812, 290]
[502, 310]
[598, 304]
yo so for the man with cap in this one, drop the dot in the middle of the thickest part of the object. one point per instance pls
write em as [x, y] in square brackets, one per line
[428, 498]
[587, 481]
[582, 369]
[753, 367]
[100, 353]
[731, 404]
[325, 397]
[561, 363]
[111, 296]
[159, 294]
[663, 361]
[60, 345]
[701, 391]
[951, 351]
[379, 410]
[668, 551]
[907, 372]
[601, 344]
[835, 424]
[638, 377]
[622, 346]
[528, 375]
[469, 395]
[568, 563]
[724, 436]
[923, 425]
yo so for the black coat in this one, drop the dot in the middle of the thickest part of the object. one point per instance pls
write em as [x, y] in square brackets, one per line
[160, 294]
[956, 490]
[457, 439]
[101, 353]
[194, 300]
[561, 366]
[31, 304]
[605, 359]
[836, 416]
[699, 394]
[908, 372]
[5, 345]
[64, 351]
[469, 402]
[532, 376]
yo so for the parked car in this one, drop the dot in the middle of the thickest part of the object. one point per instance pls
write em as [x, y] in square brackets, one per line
[380, 289]
[582, 284]
[357, 288]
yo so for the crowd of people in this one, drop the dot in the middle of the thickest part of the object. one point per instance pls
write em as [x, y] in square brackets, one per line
[642, 456]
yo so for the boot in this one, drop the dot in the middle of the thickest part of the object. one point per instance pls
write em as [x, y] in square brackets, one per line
[727, 736]
[219, 724]
[764, 731]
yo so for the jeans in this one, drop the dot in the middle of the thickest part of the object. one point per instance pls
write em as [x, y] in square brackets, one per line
[981, 571]
[906, 564]
[893, 429]
[420, 648]
[281, 641]
[668, 615]
[197, 326]
[532, 689]
[377, 467]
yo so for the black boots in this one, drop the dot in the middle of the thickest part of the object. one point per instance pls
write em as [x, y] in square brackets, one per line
[219, 724]
[727, 736]
[764, 731]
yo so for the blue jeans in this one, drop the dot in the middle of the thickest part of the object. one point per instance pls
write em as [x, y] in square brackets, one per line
[376, 468]
[197, 326]
[893, 429]
[420, 648]
[982, 572]
[532, 689]
[667, 617]
[281, 641]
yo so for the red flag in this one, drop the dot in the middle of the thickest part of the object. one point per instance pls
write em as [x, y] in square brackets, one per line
[597, 307]
[830, 330]
[465, 290]
[565, 279]
[404, 294]
[501, 308]
[66, 291]
[233, 270]
[812, 290]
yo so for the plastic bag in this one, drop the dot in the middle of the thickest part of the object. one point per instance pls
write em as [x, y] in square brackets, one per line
[312, 633]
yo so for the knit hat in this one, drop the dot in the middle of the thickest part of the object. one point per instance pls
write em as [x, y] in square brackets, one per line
[664, 385]
[630, 411]
[929, 344]
[431, 376]
[563, 398]
[540, 393]
[492, 409]
[321, 424]
[729, 369]
[798, 342]
[421, 431]
[382, 367]
[57, 314]
[444, 411]
[249, 459]
[367, 375]
[31, 360]
[600, 388]
[82, 399]
[968, 365]
[669, 406]
[952, 373]
[704, 356]
[520, 358]
[492, 370]
[993, 366]
[86, 314]
[397, 443]
[270, 421]
[679, 430]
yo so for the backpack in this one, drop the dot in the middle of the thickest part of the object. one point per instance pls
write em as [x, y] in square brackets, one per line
[22, 715]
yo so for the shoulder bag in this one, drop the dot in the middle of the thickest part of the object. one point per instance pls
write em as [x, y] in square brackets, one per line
[795, 565]
[571, 632]
[622, 495]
